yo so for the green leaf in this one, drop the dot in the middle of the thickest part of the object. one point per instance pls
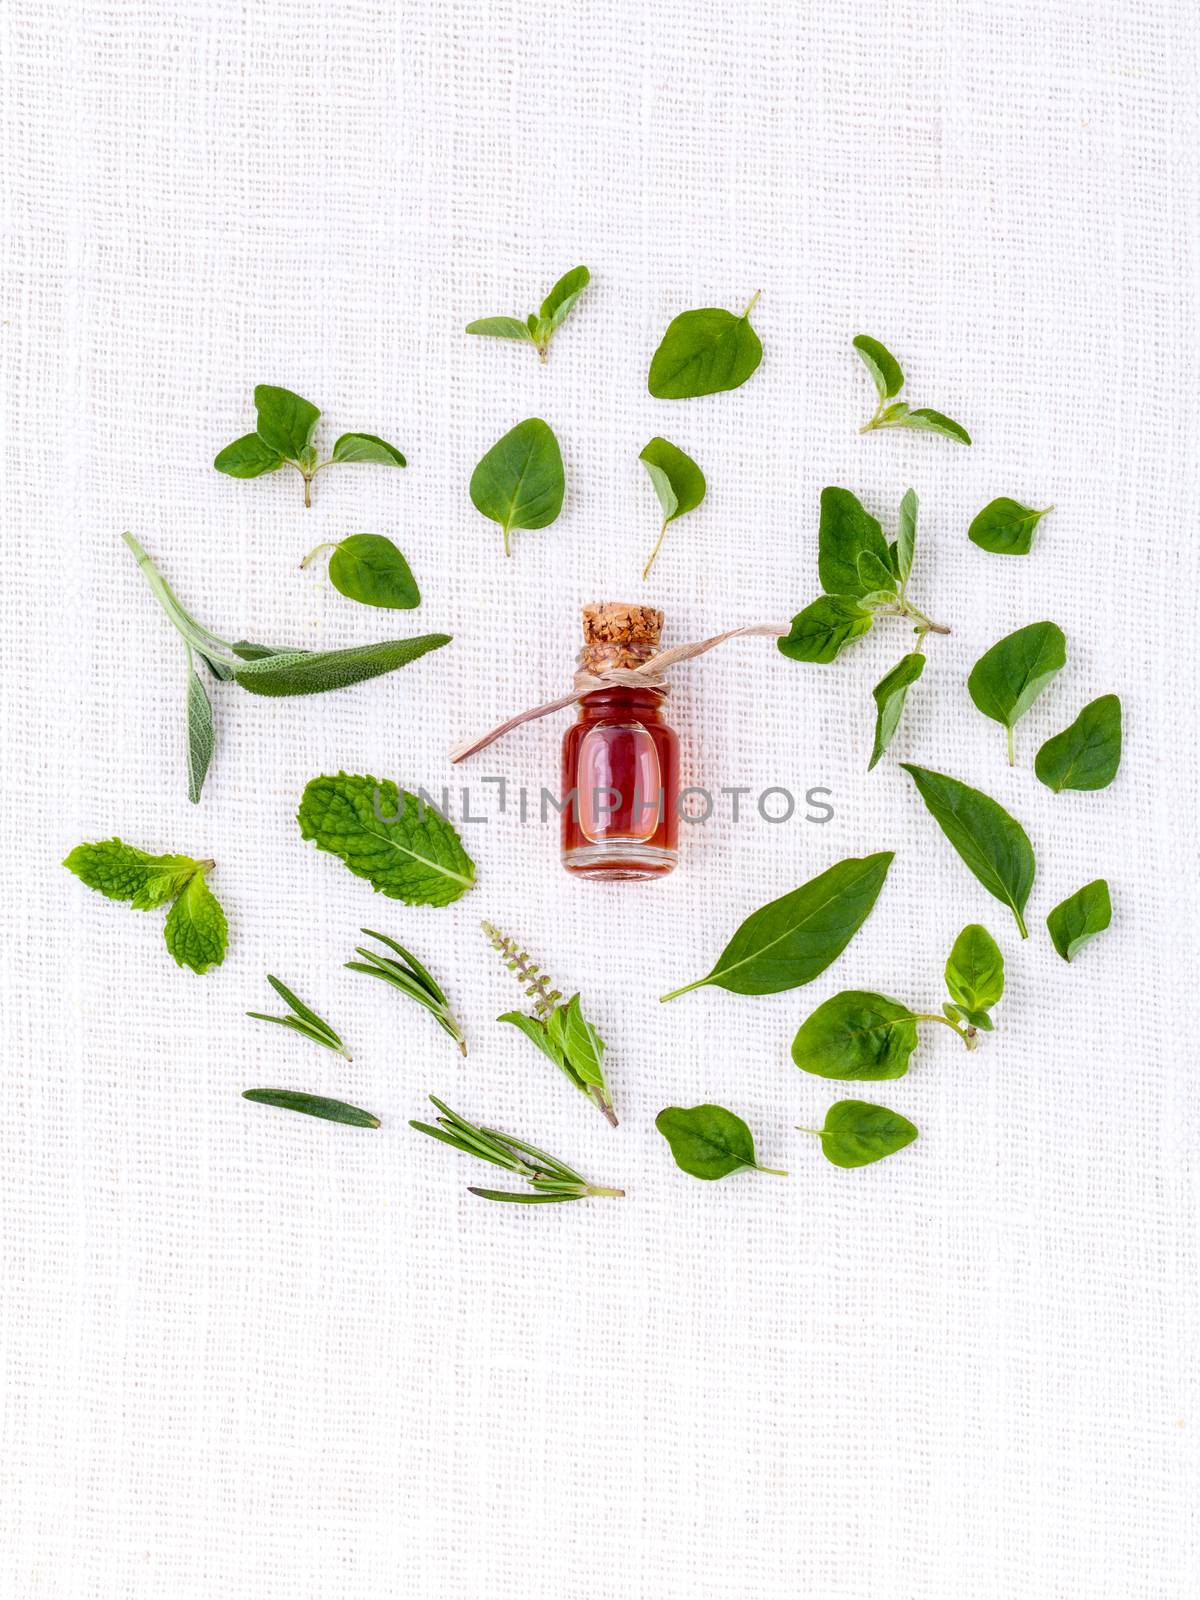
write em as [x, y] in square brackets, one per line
[536, 1032]
[501, 328]
[557, 305]
[877, 579]
[248, 457]
[856, 1034]
[923, 420]
[708, 1141]
[368, 568]
[1080, 917]
[975, 972]
[993, 845]
[367, 447]
[678, 483]
[195, 929]
[890, 694]
[704, 352]
[1009, 677]
[857, 1133]
[793, 939]
[405, 850]
[824, 628]
[285, 421]
[1087, 754]
[303, 1020]
[585, 1047]
[519, 482]
[313, 672]
[847, 532]
[522, 1199]
[312, 1105]
[881, 364]
[120, 871]
[1005, 527]
[199, 732]
[906, 538]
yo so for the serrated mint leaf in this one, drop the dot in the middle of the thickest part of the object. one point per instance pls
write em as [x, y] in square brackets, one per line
[993, 845]
[824, 628]
[709, 1142]
[1009, 677]
[405, 849]
[1006, 527]
[857, 1035]
[704, 352]
[120, 871]
[519, 482]
[1080, 917]
[856, 1133]
[248, 457]
[881, 364]
[285, 421]
[195, 928]
[1086, 755]
[890, 694]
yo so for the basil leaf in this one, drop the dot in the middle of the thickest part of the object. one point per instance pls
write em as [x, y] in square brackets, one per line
[1009, 677]
[678, 483]
[405, 850]
[313, 672]
[367, 447]
[585, 1047]
[890, 694]
[195, 929]
[199, 733]
[285, 421]
[708, 1141]
[824, 628]
[857, 1035]
[793, 939]
[502, 328]
[1080, 917]
[312, 1105]
[368, 568]
[1088, 753]
[993, 845]
[1005, 527]
[704, 352]
[248, 457]
[519, 482]
[857, 1133]
[975, 972]
[535, 1031]
[558, 304]
[847, 532]
[906, 538]
[881, 364]
[923, 420]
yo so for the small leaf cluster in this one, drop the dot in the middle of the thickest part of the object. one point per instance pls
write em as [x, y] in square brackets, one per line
[410, 977]
[891, 412]
[540, 326]
[195, 931]
[302, 1020]
[283, 436]
[552, 1180]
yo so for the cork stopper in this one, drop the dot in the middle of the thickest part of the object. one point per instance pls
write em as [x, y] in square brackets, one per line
[619, 635]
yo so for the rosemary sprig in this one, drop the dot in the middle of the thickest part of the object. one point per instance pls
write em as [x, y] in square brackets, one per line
[411, 978]
[560, 1031]
[302, 1020]
[552, 1179]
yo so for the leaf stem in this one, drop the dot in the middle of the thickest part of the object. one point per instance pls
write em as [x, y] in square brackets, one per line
[662, 533]
[776, 1172]
[1012, 760]
[686, 989]
[933, 1016]
[751, 303]
[312, 554]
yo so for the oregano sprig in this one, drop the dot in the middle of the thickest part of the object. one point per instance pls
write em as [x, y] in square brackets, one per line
[283, 437]
[301, 1020]
[411, 978]
[540, 326]
[552, 1179]
[892, 413]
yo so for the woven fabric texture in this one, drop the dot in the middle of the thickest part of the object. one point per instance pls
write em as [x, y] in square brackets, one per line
[249, 1356]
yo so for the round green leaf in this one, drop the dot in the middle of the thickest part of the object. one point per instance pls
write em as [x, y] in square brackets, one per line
[1005, 527]
[678, 481]
[704, 352]
[823, 628]
[1009, 677]
[519, 482]
[248, 457]
[889, 694]
[857, 1035]
[856, 1133]
[285, 421]
[1086, 755]
[707, 1141]
[1080, 917]
[368, 568]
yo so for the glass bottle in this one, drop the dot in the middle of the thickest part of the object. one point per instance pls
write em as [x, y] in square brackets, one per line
[620, 760]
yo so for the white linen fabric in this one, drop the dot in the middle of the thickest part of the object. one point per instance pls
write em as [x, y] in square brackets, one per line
[251, 1355]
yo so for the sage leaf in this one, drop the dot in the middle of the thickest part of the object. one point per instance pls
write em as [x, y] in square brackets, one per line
[705, 352]
[678, 483]
[975, 972]
[404, 848]
[906, 537]
[519, 482]
[1009, 677]
[285, 422]
[709, 1142]
[856, 1034]
[881, 364]
[560, 302]
[501, 328]
[846, 533]
[1005, 527]
[791, 941]
[856, 1133]
[314, 672]
[368, 568]
[199, 732]
[823, 629]
[1086, 755]
[992, 844]
[248, 457]
[890, 694]
[366, 447]
[312, 1105]
[121, 871]
[195, 929]
[1080, 917]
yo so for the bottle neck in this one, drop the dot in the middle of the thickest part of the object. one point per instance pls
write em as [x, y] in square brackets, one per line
[602, 705]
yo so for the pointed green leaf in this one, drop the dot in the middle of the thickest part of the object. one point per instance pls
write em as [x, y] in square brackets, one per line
[367, 447]
[678, 481]
[1080, 917]
[312, 1105]
[824, 628]
[975, 972]
[248, 457]
[368, 568]
[120, 871]
[195, 929]
[1009, 677]
[199, 733]
[881, 364]
[535, 1031]
[557, 305]
[1005, 527]
[923, 420]
[585, 1047]
[856, 1133]
[519, 482]
[906, 538]
[890, 694]
[707, 1141]
[314, 672]
[285, 421]
[993, 845]
[503, 328]
[847, 532]
[1086, 755]
[704, 352]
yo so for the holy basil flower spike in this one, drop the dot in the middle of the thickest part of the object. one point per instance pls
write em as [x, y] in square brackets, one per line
[705, 352]
[283, 436]
[540, 326]
[892, 413]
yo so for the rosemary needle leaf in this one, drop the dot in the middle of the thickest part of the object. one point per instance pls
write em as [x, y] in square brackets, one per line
[411, 978]
[522, 1199]
[302, 1020]
[551, 1179]
[313, 1105]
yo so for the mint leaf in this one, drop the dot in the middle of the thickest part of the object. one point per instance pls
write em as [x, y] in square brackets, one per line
[709, 1142]
[120, 871]
[705, 352]
[678, 483]
[1086, 755]
[405, 850]
[1005, 527]
[366, 447]
[519, 482]
[285, 421]
[195, 928]
[856, 1133]
[889, 694]
[824, 628]
[1080, 917]
[248, 457]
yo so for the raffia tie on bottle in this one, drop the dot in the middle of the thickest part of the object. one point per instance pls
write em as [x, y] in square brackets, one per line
[652, 674]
